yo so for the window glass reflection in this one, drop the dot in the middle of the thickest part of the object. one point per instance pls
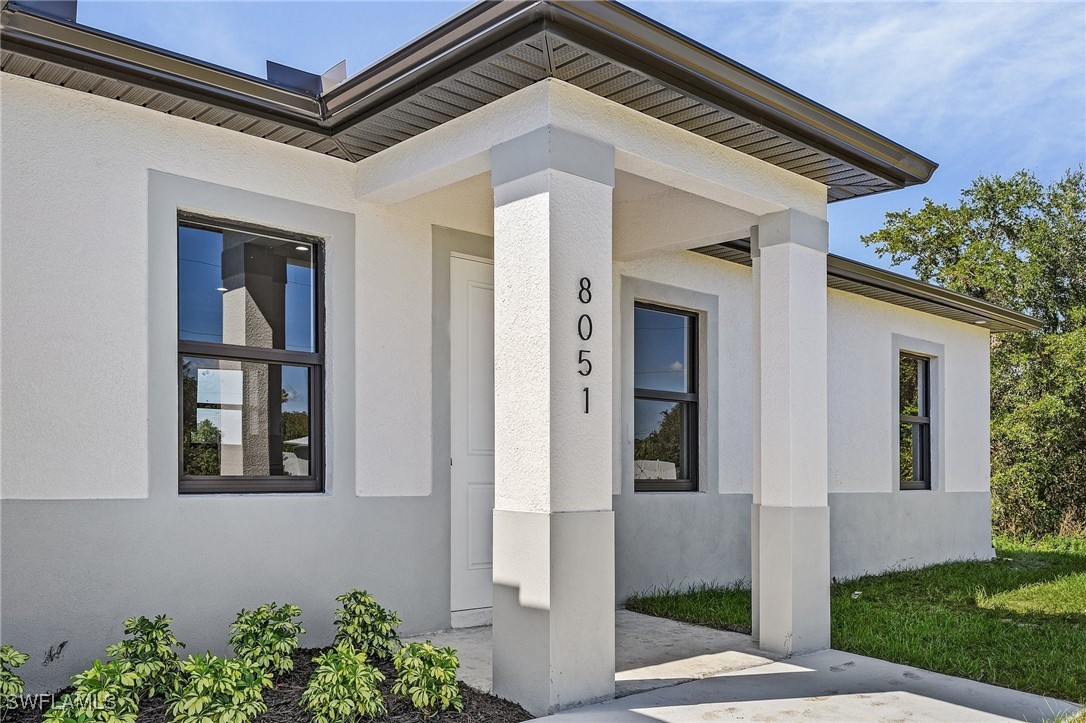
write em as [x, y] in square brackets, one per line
[242, 418]
[659, 431]
[662, 350]
[913, 374]
[246, 289]
[914, 449]
[908, 450]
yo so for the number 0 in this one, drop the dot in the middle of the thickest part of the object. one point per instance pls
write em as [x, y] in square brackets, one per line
[584, 321]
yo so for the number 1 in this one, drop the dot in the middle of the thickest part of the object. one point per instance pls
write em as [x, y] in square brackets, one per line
[586, 400]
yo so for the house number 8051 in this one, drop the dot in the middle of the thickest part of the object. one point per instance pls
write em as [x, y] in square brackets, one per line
[584, 332]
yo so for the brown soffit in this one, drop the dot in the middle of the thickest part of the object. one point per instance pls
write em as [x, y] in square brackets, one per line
[489, 50]
[875, 283]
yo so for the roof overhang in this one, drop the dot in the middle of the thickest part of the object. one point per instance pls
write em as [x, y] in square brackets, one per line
[488, 51]
[875, 283]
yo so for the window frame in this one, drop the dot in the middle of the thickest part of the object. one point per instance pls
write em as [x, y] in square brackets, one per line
[691, 403]
[924, 422]
[313, 361]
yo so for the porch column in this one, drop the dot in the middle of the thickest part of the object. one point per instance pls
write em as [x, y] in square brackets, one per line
[791, 551]
[554, 538]
[756, 458]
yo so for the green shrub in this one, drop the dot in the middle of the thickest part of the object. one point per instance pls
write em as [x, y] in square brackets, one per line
[267, 636]
[220, 690]
[150, 650]
[11, 685]
[367, 626]
[105, 693]
[427, 676]
[343, 688]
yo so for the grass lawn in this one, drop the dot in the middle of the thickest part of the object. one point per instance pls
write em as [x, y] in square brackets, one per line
[1018, 621]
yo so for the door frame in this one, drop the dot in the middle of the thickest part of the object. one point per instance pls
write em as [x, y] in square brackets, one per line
[445, 243]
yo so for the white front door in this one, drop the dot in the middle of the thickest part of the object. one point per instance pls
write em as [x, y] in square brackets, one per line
[471, 322]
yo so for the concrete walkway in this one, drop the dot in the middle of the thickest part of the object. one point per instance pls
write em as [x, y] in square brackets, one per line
[669, 671]
[825, 686]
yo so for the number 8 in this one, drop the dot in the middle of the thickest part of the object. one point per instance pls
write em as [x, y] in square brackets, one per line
[586, 289]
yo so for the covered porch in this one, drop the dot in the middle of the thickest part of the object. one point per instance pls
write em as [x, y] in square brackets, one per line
[560, 188]
[650, 653]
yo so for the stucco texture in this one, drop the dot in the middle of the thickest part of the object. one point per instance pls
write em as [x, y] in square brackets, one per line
[93, 528]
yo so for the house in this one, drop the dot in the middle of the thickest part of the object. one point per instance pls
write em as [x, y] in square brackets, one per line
[532, 314]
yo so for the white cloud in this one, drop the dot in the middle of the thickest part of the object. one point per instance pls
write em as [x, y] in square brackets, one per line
[1007, 75]
[979, 87]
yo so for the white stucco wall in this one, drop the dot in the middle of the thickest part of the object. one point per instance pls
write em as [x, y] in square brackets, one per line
[86, 361]
[874, 526]
[94, 246]
[393, 343]
[861, 411]
[643, 145]
[74, 228]
[731, 472]
[861, 361]
[75, 290]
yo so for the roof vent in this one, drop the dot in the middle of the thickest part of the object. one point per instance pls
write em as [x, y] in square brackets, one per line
[58, 9]
[334, 76]
[306, 82]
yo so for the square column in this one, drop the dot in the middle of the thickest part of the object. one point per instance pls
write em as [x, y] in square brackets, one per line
[756, 420]
[790, 519]
[554, 538]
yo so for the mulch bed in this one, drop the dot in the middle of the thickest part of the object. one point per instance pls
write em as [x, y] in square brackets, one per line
[284, 706]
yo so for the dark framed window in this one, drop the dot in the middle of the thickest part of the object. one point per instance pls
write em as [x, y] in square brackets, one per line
[250, 359]
[914, 422]
[665, 399]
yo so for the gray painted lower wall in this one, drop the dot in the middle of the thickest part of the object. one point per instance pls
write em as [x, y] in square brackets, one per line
[871, 532]
[676, 539]
[72, 571]
[680, 539]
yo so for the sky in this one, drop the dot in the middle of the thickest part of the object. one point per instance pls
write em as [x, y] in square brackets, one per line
[979, 87]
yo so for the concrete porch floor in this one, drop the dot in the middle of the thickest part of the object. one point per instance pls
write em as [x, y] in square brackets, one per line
[649, 653]
[670, 671]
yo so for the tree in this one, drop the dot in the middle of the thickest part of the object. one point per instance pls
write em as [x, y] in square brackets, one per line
[201, 450]
[663, 443]
[295, 425]
[200, 441]
[1022, 245]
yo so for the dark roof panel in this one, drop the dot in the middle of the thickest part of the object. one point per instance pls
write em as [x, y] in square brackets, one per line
[886, 286]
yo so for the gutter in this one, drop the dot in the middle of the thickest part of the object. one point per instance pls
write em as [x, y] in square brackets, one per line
[614, 31]
[706, 74]
[872, 277]
[638, 43]
[27, 32]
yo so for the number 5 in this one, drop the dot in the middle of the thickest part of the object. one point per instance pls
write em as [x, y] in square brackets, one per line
[582, 359]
